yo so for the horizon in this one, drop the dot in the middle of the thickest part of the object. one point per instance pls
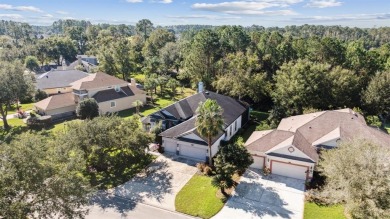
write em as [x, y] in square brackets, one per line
[267, 13]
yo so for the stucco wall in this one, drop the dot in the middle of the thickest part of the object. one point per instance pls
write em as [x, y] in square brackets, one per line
[51, 91]
[234, 128]
[57, 111]
[121, 104]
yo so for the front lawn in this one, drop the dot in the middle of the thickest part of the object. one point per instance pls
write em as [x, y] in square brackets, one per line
[199, 198]
[314, 211]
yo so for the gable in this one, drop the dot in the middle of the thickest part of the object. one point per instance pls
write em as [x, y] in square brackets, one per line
[192, 136]
[290, 150]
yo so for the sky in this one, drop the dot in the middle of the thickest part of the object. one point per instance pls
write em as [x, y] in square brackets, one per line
[268, 13]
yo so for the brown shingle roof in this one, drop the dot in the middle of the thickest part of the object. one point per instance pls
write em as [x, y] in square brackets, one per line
[97, 80]
[56, 102]
[111, 94]
[269, 140]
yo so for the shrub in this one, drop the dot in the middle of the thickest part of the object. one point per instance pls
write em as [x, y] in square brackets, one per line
[40, 95]
[200, 166]
[87, 109]
[207, 171]
[266, 171]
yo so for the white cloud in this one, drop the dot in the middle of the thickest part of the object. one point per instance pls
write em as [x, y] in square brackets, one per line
[20, 8]
[247, 7]
[202, 16]
[165, 1]
[323, 3]
[11, 16]
[134, 1]
[47, 16]
[62, 12]
[345, 17]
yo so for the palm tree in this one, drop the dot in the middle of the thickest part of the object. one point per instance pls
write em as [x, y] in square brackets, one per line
[137, 104]
[209, 121]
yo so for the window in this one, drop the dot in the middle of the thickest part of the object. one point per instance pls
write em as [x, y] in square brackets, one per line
[113, 104]
[235, 125]
[230, 131]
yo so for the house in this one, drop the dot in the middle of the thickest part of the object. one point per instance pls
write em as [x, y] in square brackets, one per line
[87, 63]
[58, 81]
[112, 95]
[180, 135]
[292, 149]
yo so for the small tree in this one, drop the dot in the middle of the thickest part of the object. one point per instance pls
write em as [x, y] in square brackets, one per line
[40, 95]
[223, 174]
[173, 84]
[358, 174]
[138, 104]
[87, 109]
[31, 63]
[237, 156]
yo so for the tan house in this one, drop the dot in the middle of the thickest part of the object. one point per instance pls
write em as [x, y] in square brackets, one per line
[58, 81]
[111, 93]
[292, 149]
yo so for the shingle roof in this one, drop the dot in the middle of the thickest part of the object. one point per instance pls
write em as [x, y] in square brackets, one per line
[97, 80]
[268, 140]
[56, 101]
[59, 78]
[111, 94]
[313, 127]
[186, 108]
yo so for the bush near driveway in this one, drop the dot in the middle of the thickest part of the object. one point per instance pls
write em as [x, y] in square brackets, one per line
[199, 198]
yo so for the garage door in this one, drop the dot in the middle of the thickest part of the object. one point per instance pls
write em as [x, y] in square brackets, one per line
[170, 146]
[258, 162]
[289, 170]
[193, 152]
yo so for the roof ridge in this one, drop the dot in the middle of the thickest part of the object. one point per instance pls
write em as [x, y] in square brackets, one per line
[172, 104]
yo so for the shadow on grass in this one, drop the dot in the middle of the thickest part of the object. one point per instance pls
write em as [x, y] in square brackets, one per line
[147, 184]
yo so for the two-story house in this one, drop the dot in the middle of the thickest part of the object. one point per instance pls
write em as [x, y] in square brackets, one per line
[112, 95]
[58, 81]
[178, 120]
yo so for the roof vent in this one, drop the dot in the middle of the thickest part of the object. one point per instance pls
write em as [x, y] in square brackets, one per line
[117, 88]
[206, 92]
[309, 127]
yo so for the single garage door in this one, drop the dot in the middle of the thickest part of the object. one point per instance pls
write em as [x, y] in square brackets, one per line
[193, 152]
[289, 170]
[258, 162]
[170, 146]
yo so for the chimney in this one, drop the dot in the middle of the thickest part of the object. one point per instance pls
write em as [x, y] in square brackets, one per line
[133, 82]
[200, 87]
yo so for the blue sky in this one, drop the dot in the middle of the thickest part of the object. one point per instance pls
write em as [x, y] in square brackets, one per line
[359, 13]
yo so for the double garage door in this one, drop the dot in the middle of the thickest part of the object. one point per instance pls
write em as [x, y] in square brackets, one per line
[186, 150]
[289, 170]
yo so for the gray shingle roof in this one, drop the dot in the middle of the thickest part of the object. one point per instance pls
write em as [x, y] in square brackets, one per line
[111, 94]
[59, 78]
[186, 108]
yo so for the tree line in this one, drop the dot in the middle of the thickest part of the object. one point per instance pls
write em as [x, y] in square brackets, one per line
[287, 70]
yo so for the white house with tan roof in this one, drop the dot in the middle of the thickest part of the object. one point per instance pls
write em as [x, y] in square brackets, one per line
[292, 149]
[111, 93]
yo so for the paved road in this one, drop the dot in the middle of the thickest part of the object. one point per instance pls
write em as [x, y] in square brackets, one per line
[141, 211]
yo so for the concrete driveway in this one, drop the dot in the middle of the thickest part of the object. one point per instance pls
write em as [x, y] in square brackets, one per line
[258, 196]
[157, 187]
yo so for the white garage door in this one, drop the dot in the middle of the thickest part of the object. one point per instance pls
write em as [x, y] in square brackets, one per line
[170, 146]
[193, 152]
[289, 170]
[258, 162]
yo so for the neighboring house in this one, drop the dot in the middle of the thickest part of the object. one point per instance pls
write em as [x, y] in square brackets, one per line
[88, 63]
[293, 148]
[58, 81]
[111, 93]
[178, 120]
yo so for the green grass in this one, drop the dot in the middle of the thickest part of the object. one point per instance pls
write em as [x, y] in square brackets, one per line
[13, 122]
[314, 211]
[198, 198]
[387, 126]
[258, 115]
